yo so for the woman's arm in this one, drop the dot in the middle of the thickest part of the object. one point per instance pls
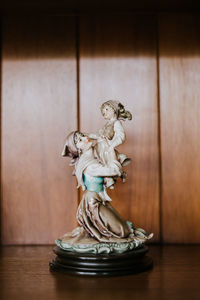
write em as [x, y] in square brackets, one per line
[93, 136]
[97, 169]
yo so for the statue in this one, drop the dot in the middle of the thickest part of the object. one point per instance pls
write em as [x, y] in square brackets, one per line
[101, 230]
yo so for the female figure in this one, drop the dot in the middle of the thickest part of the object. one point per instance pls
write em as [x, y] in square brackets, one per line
[98, 220]
[111, 136]
[101, 228]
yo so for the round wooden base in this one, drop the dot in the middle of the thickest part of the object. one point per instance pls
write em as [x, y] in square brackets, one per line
[131, 262]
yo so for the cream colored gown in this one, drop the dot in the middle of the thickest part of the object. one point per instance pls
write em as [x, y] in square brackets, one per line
[98, 220]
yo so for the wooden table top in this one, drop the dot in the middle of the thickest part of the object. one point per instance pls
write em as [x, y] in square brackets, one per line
[24, 274]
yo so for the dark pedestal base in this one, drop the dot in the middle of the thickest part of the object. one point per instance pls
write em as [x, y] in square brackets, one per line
[131, 262]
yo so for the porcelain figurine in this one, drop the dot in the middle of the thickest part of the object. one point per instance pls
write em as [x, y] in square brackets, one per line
[101, 228]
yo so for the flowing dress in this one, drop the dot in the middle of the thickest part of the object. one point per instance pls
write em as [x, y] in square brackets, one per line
[95, 213]
[98, 220]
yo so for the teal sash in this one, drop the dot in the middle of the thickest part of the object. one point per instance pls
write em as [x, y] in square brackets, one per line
[93, 183]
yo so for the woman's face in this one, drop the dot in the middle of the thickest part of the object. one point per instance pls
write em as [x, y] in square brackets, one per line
[108, 112]
[82, 141]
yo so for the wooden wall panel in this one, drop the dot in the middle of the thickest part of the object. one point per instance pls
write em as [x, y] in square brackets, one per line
[118, 61]
[180, 126]
[39, 108]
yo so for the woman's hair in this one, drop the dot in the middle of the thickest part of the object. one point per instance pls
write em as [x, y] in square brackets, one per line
[118, 108]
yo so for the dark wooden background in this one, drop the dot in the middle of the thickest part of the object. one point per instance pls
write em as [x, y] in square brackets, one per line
[56, 72]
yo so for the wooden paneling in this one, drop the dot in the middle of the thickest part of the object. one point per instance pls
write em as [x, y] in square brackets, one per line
[118, 61]
[39, 108]
[180, 126]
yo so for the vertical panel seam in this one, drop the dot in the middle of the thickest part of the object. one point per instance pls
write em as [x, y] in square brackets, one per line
[1, 194]
[159, 126]
[78, 69]
[77, 33]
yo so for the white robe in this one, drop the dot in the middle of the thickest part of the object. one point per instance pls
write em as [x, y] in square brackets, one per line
[105, 147]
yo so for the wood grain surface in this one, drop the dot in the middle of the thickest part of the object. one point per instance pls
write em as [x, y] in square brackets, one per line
[24, 274]
[39, 108]
[118, 61]
[117, 58]
[179, 39]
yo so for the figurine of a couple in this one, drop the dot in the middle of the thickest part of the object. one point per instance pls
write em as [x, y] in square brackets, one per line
[97, 164]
